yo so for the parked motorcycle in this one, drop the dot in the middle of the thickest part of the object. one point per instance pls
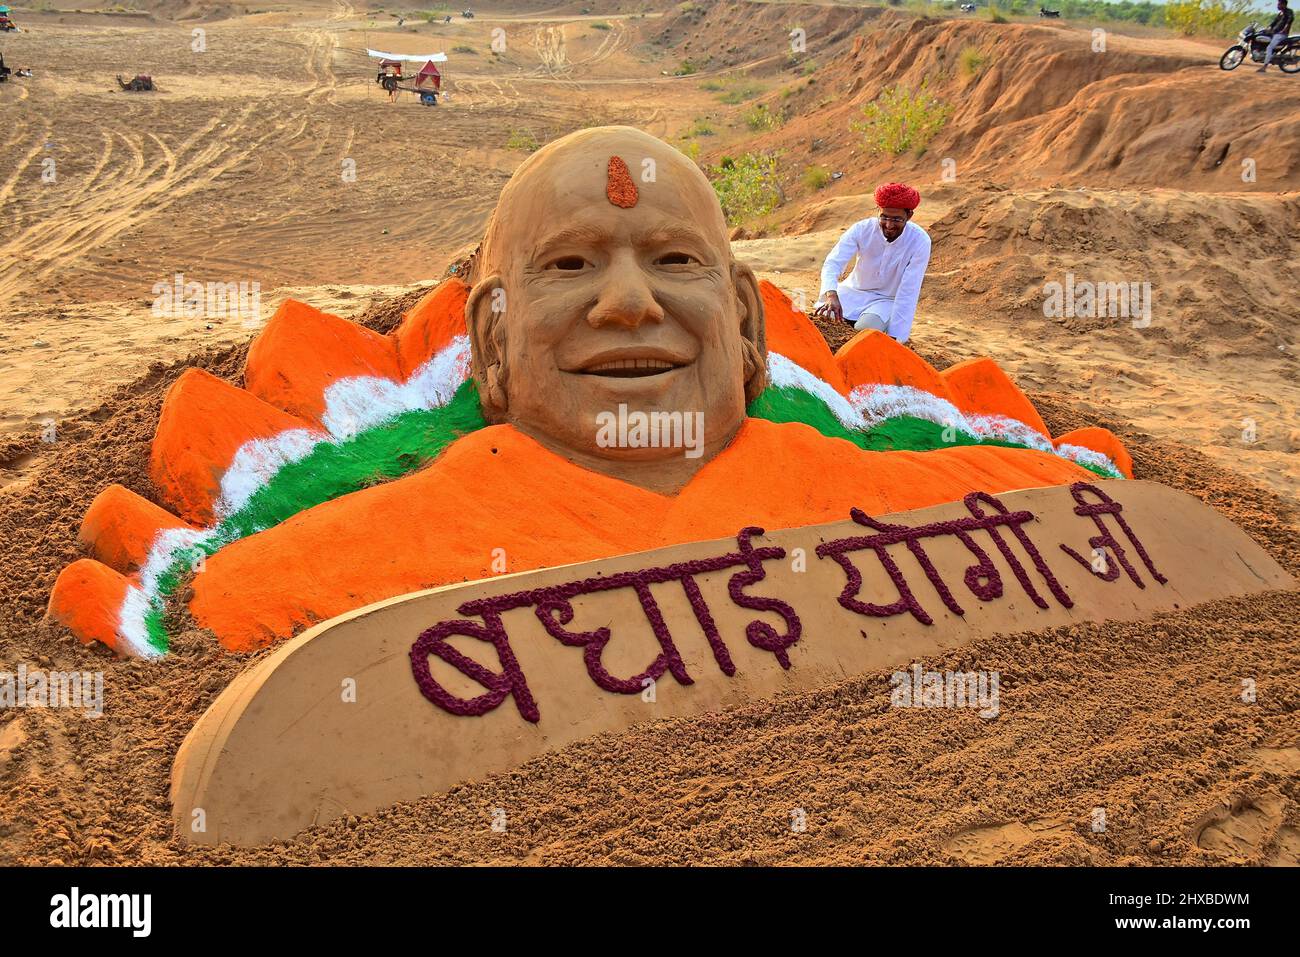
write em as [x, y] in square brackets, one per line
[1286, 56]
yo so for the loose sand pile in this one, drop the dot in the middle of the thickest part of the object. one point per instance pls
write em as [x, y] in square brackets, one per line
[1144, 720]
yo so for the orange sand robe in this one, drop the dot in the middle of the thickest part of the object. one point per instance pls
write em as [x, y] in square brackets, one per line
[499, 489]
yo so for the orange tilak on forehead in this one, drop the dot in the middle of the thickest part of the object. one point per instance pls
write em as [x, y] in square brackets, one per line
[618, 184]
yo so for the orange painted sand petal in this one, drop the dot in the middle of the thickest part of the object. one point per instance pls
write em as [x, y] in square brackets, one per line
[790, 333]
[430, 327]
[873, 358]
[1099, 440]
[87, 598]
[979, 387]
[120, 527]
[204, 421]
[302, 351]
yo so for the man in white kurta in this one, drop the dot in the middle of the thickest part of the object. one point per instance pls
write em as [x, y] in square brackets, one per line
[892, 255]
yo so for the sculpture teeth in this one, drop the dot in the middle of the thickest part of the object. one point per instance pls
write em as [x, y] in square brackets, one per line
[632, 365]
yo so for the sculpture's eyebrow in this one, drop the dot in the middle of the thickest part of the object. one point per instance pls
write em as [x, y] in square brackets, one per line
[586, 234]
[667, 233]
[579, 234]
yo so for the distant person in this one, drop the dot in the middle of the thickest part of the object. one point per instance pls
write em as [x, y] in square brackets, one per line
[1278, 30]
[892, 253]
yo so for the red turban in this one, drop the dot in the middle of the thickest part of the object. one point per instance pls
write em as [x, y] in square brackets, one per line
[897, 196]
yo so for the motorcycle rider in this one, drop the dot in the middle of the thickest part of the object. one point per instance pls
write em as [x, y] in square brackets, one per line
[1278, 31]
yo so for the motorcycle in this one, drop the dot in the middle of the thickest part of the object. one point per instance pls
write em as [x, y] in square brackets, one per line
[1286, 56]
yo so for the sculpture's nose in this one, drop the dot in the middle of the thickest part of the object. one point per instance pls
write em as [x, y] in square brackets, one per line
[625, 296]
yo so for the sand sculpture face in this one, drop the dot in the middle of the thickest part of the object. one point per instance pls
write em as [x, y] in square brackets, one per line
[606, 280]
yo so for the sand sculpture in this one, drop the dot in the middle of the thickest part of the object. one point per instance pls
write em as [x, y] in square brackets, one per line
[352, 467]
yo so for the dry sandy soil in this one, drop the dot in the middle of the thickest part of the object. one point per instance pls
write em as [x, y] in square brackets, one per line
[1117, 166]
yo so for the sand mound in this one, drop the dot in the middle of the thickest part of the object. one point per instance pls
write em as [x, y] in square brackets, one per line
[714, 36]
[1035, 105]
[1221, 267]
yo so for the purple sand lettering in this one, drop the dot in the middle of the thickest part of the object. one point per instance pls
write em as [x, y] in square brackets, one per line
[552, 605]
[1108, 506]
[982, 578]
[759, 633]
[1017, 521]
[710, 628]
[593, 644]
[509, 681]
[848, 597]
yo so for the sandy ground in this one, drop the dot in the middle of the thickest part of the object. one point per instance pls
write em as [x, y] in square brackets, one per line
[234, 172]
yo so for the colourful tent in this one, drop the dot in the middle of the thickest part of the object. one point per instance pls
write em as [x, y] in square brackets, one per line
[428, 77]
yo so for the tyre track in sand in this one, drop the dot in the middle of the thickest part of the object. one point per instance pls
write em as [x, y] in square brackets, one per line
[57, 231]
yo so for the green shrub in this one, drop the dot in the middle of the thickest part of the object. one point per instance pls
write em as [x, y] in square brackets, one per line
[897, 120]
[686, 69]
[746, 186]
[761, 118]
[995, 16]
[972, 62]
[522, 140]
[464, 49]
[601, 25]
[700, 127]
[816, 177]
[740, 92]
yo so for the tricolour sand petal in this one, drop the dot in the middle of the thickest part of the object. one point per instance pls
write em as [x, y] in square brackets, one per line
[979, 387]
[873, 358]
[1099, 440]
[120, 527]
[790, 333]
[434, 323]
[303, 351]
[205, 421]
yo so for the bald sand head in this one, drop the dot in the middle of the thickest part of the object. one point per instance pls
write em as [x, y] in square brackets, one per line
[606, 284]
[579, 169]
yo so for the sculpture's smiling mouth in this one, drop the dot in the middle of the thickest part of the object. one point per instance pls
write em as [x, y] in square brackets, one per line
[632, 364]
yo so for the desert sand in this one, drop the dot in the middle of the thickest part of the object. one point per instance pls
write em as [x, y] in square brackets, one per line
[1122, 166]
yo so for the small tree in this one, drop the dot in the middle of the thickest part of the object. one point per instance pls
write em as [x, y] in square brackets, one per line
[1217, 18]
[747, 186]
[897, 120]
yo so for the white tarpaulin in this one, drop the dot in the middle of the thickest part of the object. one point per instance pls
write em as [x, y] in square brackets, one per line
[410, 57]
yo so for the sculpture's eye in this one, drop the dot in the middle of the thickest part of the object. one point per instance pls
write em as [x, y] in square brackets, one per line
[676, 259]
[567, 263]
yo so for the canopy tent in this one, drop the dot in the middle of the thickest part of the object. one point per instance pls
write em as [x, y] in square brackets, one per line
[408, 57]
[428, 76]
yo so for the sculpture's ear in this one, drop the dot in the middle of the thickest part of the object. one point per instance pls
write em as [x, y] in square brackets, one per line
[484, 320]
[753, 330]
